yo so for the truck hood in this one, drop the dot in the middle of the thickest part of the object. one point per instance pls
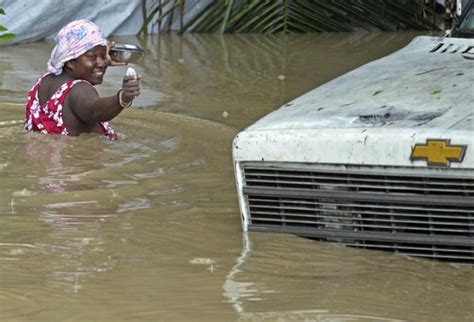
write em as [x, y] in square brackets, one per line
[378, 113]
[427, 84]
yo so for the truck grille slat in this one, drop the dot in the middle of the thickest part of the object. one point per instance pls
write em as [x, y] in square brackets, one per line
[297, 178]
[261, 215]
[392, 208]
[349, 210]
[354, 186]
[253, 174]
[357, 182]
[361, 209]
[289, 221]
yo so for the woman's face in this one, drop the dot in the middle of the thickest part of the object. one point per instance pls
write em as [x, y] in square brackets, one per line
[90, 66]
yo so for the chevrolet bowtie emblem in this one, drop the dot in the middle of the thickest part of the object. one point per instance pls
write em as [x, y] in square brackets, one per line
[438, 152]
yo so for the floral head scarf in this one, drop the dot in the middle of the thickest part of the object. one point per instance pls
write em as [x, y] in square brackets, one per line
[73, 40]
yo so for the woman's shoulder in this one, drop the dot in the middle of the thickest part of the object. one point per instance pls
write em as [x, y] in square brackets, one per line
[81, 91]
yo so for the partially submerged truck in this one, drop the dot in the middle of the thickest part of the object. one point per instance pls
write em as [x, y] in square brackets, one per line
[381, 157]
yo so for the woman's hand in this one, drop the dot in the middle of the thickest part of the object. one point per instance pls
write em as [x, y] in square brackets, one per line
[130, 88]
[110, 59]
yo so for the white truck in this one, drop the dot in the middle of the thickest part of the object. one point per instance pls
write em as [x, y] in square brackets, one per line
[381, 157]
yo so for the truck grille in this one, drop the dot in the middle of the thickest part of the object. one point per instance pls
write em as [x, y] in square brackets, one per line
[450, 48]
[419, 215]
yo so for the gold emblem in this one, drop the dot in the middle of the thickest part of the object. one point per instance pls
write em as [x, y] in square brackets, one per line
[438, 152]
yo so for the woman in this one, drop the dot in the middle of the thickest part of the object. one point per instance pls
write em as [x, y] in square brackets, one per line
[64, 100]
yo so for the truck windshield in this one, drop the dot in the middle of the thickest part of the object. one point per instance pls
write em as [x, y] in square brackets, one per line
[465, 25]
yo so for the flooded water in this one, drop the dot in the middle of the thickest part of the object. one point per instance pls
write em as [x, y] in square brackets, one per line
[148, 229]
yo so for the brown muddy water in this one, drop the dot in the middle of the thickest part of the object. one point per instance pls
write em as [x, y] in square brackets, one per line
[148, 228]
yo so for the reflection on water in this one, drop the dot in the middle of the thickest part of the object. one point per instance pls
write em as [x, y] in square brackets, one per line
[328, 282]
[148, 227]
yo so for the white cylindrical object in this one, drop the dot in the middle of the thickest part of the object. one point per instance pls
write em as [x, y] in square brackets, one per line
[131, 72]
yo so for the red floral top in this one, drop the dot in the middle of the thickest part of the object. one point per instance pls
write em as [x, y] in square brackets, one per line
[48, 118]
